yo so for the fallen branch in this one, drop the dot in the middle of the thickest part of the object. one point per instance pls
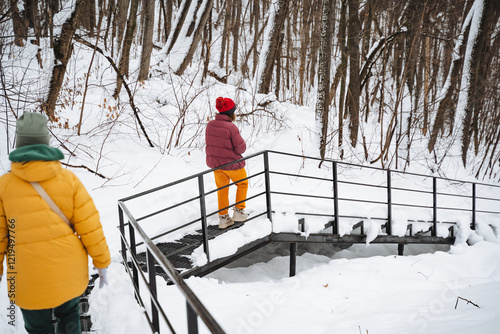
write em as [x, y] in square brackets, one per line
[131, 98]
[85, 167]
[468, 302]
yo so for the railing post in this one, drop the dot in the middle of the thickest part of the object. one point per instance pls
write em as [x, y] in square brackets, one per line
[122, 231]
[434, 206]
[293, 251]
[203, 211]
[192, 320]
[335, 225]
[150, 260]
[133, 252]
[268, 186]
[401, 249]
[293, 258]
[388, 227]
[473, 224]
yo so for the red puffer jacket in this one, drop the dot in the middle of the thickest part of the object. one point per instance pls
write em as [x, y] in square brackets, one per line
[224, 143]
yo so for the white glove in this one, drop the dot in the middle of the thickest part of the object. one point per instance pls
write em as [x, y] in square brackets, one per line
[103, 278]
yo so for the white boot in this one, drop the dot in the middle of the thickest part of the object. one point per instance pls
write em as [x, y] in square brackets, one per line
[239, 215]
[225, 221]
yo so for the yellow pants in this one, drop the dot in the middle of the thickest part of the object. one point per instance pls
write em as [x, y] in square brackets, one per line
[222, 178]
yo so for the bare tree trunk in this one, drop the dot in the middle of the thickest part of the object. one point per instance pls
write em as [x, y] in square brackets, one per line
[32, 14]
[111, 14]
[147, 40]
[253, 51]
[289, 46]
[63, 48]
[256, 34]
[270, 54]
[19, 25]
[88, 20]
[127, 43]
[479, 64]
[304, 43]
[194, 31]
[414, 14]
[353, 93]
[236, 32]
[367, 13]
[427, 70]
[446, 109]
[121, 18]
[166, 9]
[174, 34]
[343, 72]
[325, 58]
[315, 41]
[207, 47]
[443, 115]
[225, 33]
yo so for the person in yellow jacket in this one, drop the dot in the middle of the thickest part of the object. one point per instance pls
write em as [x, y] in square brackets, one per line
[47, 259]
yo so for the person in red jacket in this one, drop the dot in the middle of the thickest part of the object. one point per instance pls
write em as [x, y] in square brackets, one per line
[224, 145]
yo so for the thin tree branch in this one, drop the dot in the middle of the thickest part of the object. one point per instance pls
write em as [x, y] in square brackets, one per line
[88, 75]
[129, 92]
[87, 168]
[468, 302]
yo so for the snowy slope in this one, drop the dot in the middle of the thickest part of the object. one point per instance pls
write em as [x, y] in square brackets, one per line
[363, 289]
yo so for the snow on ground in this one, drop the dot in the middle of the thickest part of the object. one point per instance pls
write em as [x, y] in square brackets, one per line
[381, 293]
[361, 289]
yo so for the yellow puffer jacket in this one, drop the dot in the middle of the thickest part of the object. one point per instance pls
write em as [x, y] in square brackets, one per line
[46, 261]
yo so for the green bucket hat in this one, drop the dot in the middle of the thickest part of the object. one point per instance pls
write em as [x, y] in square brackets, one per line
[32, 129]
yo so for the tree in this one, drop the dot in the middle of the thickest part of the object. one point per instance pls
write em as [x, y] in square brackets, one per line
[413, 69]
[224, 50]
[354, 90]
[188, 31]
[63, 47]
[236, 33]
[88, 20]
[342, 73]
[305, 38]
[166, 10]
[32, 16]
[121, 19]
[147, 38]
[20, 28]
[278, 15]
[480, 61]
[463, 94]
[325, 56]
[127, 44]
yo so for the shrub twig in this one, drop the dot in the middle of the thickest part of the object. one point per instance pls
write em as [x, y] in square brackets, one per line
[468, 302]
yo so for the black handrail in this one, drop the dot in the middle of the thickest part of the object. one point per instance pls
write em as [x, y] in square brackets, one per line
[195, 308]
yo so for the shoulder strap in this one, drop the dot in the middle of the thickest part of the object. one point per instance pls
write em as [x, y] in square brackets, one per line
[50, 202]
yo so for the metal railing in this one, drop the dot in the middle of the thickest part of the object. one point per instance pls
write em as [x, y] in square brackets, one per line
[392, 190]
[154, 257]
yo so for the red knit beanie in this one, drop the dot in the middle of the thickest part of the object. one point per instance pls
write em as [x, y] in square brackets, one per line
[225, 105]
